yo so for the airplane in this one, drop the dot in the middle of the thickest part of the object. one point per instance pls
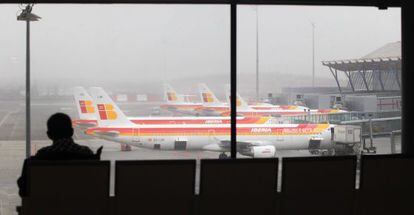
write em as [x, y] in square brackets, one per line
[254, 140]
[211, 102]
[176, 103]
[267, 106]
[85, 108]
[245, 110]
[211, 106]
[87, 114]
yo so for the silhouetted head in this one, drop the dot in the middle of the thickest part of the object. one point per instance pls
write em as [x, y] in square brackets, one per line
[59, 126]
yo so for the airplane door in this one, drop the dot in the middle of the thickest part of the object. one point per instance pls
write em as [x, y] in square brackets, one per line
[180, 143]
[314, 144]
[136, 138]
[211, 135]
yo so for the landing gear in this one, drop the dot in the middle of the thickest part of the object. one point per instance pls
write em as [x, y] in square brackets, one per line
[125, 148]
[345, 150]
[329, 152]
[223, 156]
[314, 152]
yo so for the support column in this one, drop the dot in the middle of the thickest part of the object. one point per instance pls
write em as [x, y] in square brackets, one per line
[335, 75]
[348, 74]
[397, 77]
[362, 73]
[380, 79]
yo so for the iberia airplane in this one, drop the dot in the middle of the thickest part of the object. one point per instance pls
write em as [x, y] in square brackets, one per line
[211, 105]
[267, 106]
[177, 104]
[255, 140]
[87, 114]
[245, 110]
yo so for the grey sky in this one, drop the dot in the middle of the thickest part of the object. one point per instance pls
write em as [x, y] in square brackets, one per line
[141, 43]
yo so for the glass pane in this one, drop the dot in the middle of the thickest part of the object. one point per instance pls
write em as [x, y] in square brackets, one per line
[319, 68]
[129, 76]
[12, 106]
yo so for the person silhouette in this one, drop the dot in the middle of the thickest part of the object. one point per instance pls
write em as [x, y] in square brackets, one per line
[60, 131]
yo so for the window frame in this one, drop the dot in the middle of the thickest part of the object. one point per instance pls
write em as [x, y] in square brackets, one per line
[406, 33]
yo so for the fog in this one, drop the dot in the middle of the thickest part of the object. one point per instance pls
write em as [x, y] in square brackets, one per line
[141, 46]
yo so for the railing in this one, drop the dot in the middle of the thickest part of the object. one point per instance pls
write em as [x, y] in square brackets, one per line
[338, 118]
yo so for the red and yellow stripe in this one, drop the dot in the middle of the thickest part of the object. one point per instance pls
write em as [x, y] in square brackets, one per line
[149, 121]
[301, 129]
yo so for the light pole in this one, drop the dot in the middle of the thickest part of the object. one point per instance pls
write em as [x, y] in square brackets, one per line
[27, 16]
[313, 54]
[257, 53]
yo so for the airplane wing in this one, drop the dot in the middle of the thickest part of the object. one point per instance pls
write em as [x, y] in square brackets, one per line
[225, 145]
[85, 124]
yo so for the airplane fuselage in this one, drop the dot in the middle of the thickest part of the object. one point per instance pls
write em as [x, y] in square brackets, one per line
[87, 123]
[197, 137]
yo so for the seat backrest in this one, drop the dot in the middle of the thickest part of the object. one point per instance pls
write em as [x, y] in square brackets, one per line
[318, 174]
[154, 177]
[68, 178]
[387, 173]
[238, 176]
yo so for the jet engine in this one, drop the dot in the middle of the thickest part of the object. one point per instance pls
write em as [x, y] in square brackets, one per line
[261, 152]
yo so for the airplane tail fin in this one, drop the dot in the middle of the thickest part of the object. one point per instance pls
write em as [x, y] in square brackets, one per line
[241, 104]
[84, 104]
[170, 95]
[108, 113]
[207, 96]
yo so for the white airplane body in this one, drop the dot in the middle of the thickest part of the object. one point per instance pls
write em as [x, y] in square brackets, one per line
[176, 103]
[256, 140]
[87, 114]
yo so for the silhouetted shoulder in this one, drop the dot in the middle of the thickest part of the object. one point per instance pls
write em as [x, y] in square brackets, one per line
[43, 151]
[65, 149]
[85, 149]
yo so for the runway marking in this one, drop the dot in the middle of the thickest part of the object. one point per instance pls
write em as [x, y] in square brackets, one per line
[14, 128]
[5, 118]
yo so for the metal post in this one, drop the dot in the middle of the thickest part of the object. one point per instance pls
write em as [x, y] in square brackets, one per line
[28, 144]
[361, 136]
[257, 53]
[370, 133]
[27, 16]
[392, 140]
[233, 77]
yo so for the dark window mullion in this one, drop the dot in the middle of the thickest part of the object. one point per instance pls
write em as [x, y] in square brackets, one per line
[233, 76]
